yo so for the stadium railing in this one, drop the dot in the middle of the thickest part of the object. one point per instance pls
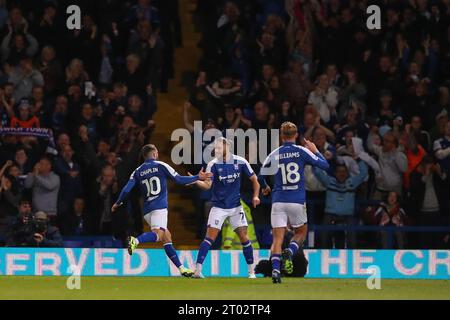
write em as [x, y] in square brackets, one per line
[264, 232]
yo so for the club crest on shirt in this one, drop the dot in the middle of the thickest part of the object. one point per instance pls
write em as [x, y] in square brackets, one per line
[236, 167]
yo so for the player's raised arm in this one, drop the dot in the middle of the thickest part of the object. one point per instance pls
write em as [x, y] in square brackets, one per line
[125, 192]
[312, 156]
[323, 177]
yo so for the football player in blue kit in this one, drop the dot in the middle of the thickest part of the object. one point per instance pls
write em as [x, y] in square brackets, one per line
[286, 164]
[151, 177]
[227, 170]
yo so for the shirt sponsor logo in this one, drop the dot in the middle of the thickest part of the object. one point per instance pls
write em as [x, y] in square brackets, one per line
[230, 177]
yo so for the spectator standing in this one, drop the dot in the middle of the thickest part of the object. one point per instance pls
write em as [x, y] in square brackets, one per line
[105, 191]
[297, 86]
[390, 213]
[340, 203]
[50, 68]
[325, 99]
[426, 198]
[18, 230]
[76, 222]
[16, 44]
[441, 148]
[24, 77]
[25, 119]
[9, 196]
[393, 163]
[69, 172]
[45, 185]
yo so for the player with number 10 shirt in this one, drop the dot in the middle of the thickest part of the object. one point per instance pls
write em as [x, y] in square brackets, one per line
[151, 178]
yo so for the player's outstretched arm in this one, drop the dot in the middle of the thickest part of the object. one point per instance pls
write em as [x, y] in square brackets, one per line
[203, 184]
[124, 193]
[363, 172]
[179, 179]
[186, 180]
[315, 158]
[203, 175]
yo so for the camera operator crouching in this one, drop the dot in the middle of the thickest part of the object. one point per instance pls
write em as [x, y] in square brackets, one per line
[33, 231]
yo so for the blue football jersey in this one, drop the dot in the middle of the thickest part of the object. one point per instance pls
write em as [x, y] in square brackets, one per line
[226, 181]
[287, 164]
[151, 178]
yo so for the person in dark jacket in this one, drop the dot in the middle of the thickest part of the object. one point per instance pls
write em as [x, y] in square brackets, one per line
[17, 231]
[391, 214]
[300, 263]
[9, 196]
[426, 198]
[103, 192]
[77, 222]
[33, 231]
[69, 173]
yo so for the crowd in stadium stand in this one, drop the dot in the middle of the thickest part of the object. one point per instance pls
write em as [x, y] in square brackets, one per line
[376, 103]
[96, 89]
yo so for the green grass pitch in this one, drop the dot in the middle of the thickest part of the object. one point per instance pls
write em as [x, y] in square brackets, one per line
[18, 287]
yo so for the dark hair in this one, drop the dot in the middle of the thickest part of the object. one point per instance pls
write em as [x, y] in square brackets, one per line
[340, 165]
[396, 194]
[22, 148]
[24, 201]
[352, 69]
[47, 158]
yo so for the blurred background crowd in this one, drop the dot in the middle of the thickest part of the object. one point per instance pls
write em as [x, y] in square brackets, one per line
[375, 102]
[96, 89]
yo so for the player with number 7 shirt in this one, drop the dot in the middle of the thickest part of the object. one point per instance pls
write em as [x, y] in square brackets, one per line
[151, 177]
[286, 164]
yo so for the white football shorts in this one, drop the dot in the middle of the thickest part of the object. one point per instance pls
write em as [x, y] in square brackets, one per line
[157, 219]
[236, 217]
[288, 213]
